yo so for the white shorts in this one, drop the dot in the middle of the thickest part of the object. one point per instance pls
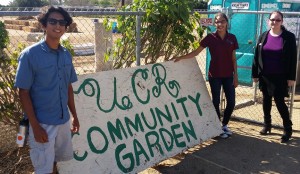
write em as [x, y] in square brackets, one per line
[59, 147]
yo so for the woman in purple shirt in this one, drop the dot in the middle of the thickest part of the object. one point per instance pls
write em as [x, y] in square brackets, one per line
[222, 69]
[274, 67]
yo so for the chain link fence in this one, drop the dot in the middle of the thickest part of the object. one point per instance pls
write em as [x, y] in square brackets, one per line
[247, 26]
[89, 41]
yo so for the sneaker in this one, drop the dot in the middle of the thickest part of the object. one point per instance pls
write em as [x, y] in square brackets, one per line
[226, 130]
[224, 135]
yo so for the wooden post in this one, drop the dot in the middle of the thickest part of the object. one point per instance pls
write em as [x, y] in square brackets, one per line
[103, 42]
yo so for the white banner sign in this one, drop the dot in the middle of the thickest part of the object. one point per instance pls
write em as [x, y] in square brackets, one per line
[240, 5]
[269, 6]
[215, 7]
[206, 21]
[133, 118]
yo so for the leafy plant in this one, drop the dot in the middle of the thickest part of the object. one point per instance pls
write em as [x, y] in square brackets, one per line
[29, 3]
[66, 43]
[200, 4]
[105, 3]
[168, 29]
[4, 39]
[10, 106]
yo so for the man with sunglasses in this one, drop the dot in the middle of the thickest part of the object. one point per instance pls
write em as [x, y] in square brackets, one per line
[44, 76]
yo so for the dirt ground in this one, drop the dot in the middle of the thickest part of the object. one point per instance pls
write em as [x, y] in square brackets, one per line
[246, 151]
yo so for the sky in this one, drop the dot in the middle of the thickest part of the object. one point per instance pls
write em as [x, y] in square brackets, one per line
[4, 2]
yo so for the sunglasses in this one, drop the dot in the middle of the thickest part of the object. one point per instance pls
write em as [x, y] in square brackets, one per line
[61, 22]
[277, 20]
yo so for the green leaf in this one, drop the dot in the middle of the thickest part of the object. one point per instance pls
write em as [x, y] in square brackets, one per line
[168, 26]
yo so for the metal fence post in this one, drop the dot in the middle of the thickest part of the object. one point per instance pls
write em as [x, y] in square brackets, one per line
[298, 59]
[138, 40]
[261, 16]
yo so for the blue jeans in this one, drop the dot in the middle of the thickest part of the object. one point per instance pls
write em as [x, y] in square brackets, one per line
[229, 90]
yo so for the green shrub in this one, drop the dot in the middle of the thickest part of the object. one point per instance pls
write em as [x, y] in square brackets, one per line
[168, 29]
[10, 106]
[66, 43]
[4, 39]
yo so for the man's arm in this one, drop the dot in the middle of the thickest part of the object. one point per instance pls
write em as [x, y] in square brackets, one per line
[71, 105]
[40, 134]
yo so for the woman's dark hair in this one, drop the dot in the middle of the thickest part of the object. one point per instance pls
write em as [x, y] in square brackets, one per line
[43, 17]
[278, 12]
[221, 15]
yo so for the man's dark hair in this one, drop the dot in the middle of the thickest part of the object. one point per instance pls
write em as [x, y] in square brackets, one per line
[43, 17]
